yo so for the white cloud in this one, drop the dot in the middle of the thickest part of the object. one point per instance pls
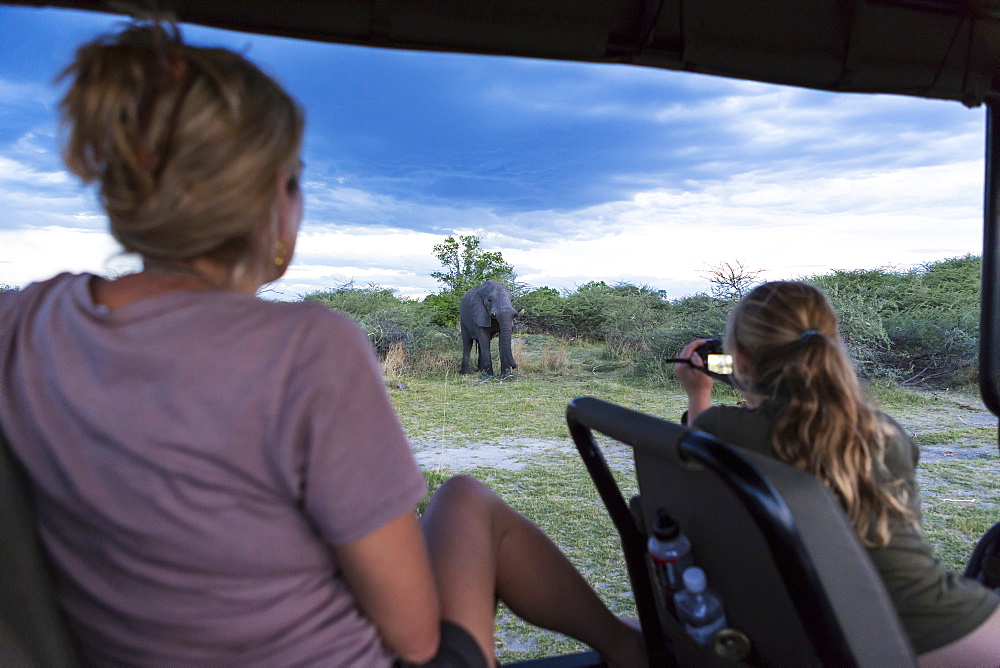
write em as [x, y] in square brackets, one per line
[790, 225]
[37, 254]
[17, 171]
[33, 195]
[789, 228]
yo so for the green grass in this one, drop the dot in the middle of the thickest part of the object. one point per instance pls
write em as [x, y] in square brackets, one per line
[961, 499]
[463, 409]
[889, 394]
[971, 436]
[531, 405]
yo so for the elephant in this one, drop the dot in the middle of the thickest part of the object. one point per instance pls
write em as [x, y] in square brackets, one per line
[485, 312]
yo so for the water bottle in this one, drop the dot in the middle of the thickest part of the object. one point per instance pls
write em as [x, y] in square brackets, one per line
[699, 610]
[670, 553]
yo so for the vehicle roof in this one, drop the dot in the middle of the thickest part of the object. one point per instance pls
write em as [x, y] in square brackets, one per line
[947, 49]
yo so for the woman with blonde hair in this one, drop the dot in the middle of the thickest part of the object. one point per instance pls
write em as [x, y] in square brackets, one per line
[805, 406]
[219, 479]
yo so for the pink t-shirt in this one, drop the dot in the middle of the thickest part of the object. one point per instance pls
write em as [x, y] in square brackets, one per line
[194, 456]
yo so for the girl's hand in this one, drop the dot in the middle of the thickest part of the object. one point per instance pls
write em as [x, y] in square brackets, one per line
[697, 384]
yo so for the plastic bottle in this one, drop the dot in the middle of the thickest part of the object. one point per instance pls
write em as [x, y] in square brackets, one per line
[699, 610]
[670, 553]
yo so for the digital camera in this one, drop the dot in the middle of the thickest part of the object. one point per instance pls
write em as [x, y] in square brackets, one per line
[715, 360]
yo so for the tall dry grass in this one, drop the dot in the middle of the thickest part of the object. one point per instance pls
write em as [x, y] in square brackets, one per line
[554, 358]
[436, 362]
[395, 362]
[517, 350]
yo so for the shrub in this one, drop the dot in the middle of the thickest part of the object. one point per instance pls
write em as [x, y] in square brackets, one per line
[919, 326]
[695, 317]
[357, 302]
[544, 311]
[442, 309]
[390, 321]
[586, 310]
[615, 313]
[863, 330]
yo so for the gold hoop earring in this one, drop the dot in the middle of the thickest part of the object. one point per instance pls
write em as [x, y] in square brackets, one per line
[279, 254]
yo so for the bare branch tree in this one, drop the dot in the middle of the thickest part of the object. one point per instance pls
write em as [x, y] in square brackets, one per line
[732, 281]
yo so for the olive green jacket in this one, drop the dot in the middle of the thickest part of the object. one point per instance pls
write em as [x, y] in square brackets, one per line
[936, 606]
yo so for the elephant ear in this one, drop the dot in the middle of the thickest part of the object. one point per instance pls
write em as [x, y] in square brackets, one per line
[481, 314]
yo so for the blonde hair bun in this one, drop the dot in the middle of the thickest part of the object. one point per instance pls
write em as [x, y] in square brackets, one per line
[185, 142]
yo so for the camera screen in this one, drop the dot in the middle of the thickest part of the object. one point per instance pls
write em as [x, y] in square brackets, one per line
[720, 364]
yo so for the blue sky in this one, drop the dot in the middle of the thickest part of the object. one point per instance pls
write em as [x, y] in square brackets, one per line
[575, 172]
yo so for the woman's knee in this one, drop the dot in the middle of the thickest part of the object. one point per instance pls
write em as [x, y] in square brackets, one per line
[464, 491]
[465, 501]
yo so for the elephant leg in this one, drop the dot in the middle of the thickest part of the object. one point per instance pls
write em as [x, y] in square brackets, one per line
[485, 359]
[466, 352]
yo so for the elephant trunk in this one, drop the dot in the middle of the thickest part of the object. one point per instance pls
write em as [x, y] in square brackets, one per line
[506, 354]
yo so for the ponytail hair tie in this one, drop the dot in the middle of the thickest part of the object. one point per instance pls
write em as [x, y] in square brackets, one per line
[808, 335]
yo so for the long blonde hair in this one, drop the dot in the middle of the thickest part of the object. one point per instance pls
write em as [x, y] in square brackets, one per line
[185, 142]
[788, 332]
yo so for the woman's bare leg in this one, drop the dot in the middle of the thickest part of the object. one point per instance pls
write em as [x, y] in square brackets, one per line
[482, 550]
[979, 648]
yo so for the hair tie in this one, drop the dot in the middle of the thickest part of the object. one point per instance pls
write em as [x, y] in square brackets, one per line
[808, 335]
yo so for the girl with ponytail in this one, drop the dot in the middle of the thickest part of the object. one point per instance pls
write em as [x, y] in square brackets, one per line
[805, 406]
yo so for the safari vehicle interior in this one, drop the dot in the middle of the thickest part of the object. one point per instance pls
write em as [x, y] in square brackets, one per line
[940, 49]
[765, 531]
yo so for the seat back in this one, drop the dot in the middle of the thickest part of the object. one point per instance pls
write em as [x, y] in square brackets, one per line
[773, 541]
[32, 629]
[984, 564]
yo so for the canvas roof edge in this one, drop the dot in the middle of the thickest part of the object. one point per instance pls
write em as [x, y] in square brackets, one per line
[925, 48]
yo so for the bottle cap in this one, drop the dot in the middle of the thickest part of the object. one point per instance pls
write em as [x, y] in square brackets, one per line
[694, 579]
[665, 528]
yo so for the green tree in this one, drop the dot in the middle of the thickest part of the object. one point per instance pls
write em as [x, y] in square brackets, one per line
[443, 307]
[466, 265]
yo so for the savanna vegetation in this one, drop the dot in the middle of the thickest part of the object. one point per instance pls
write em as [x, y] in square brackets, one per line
[917, 327]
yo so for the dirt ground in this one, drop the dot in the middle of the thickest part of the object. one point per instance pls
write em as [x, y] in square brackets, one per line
[950, 416]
